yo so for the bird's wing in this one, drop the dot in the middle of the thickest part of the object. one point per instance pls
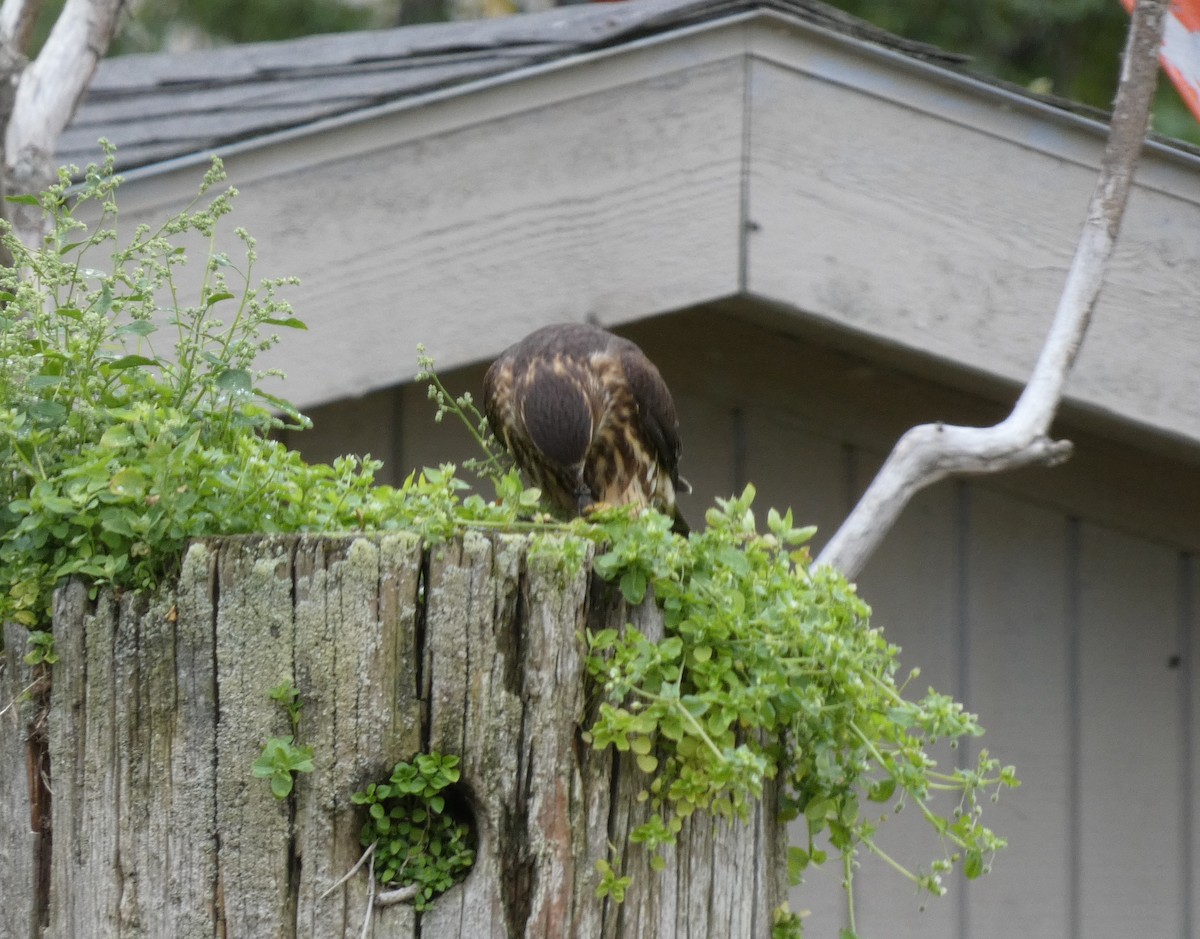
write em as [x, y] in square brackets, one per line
[655, 407]
[497, 398]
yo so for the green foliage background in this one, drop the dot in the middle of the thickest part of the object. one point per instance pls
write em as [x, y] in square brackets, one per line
[1069, 48]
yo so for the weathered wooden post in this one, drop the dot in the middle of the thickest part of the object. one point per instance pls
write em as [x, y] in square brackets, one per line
[158, 707]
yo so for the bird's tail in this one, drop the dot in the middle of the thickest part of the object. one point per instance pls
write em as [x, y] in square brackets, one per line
[679, 524]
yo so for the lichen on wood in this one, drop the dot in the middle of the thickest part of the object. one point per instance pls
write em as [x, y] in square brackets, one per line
[159, 706]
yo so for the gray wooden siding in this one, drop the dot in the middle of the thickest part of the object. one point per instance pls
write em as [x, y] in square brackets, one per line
[1059, 604]
[742, 158]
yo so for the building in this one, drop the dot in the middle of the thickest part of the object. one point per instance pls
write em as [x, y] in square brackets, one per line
[823, 235]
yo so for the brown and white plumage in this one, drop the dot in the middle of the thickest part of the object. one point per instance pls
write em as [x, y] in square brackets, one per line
[588, 418]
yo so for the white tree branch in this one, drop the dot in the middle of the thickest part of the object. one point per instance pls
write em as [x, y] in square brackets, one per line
[49, 90]
[16, 23]
[931, 452]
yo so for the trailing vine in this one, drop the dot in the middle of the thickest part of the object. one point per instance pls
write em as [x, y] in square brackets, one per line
[770, 670]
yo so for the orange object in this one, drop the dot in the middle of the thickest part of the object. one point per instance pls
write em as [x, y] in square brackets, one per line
[1180, 53]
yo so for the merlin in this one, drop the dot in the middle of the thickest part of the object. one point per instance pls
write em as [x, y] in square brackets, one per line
[588, 419]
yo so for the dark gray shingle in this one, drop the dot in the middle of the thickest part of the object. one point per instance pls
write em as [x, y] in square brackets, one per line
[158, 106]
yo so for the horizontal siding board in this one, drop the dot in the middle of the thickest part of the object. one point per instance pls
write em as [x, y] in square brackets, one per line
[956, 246]
[467, 240]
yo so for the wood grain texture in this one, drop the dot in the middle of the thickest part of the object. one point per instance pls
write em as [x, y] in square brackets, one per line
[160, 706]
[19, 840]
[478, 232]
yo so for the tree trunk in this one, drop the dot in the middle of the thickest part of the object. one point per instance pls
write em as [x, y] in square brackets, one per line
[159, 706]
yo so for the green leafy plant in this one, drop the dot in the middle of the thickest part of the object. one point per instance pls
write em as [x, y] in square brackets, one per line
[770, 670]
[418, 840]
[132, 417]
[41, 648]
[496, 463]
[287, 696]
[612, 882]
[785, 924]
[279, 762]
[282, 758]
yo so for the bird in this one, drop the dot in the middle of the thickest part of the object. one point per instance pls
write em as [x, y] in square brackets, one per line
[588, 419]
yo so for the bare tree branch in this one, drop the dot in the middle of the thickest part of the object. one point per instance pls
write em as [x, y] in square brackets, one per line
[48, 92]
[931, 452]
[16, 23]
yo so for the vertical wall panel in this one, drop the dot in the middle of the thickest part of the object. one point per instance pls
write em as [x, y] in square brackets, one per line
[420, 441]
[1131, 770]
[708, 454]
[1017, 647]
[910, 584]
[359, 426]
[791, 467]
[1189, 652]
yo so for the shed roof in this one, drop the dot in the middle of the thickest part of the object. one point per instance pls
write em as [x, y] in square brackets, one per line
[157, 106]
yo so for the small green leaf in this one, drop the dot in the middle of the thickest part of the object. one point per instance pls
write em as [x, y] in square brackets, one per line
[117, 436]
[881, 790]
[131, 361]
[818, 809]
[136, 328]
[281, 785]
[128, 482]
[47, 413]
[42, 382]
[633, 586]
[235, 382]
[798, 861]
[290, 323]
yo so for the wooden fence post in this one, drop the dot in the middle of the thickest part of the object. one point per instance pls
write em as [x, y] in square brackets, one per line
[158, 707]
